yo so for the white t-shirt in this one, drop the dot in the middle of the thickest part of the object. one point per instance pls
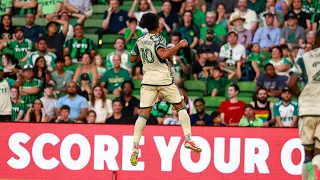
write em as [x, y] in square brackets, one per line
[250, 17]
[138, 16]
[5, 103]
[102, 113]
[49, 105]
[237, 52]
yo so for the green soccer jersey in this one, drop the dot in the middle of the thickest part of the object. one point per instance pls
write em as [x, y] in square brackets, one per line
[20, 49]
[133, 40]
[71, 69]
[16, 108]
[199, 18]
[22, 11]
[160, 109]
[220, 85]
[4, 4]
[125, 60]
[49, 6]
[78, 47]
[257, 58]
[114, 80]
[29, 98]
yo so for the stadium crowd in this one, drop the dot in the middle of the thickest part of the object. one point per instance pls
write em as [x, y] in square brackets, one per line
[234, 72]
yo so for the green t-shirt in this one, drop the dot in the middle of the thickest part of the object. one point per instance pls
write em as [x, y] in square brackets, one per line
[125, 60]
[78, 47]
[166, 35]
[189, 33]
[257, 122]
[133, 40]
[4, 4]
[21, 11]
[20, 49]
[218, 29]
[177, 66]
[71, 69]
[160, 109]
[114, 80]
[257, 58]
[29, 98]
[286, 113]
[259, 6]
[49, 6]
[16, 108]
[199, 18]
[220, 85]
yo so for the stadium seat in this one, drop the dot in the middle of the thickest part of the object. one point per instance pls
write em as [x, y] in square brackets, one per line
[19, 21]
[246, 100]
[97, 16]
[136, 83]
[99, 9]
[213, 103]
[41, 21]
[110, 38]
[273, 99]
[195, 88]
[193, 97]
[247, 88]
[104, 52]
[91, 25]
[93, 37]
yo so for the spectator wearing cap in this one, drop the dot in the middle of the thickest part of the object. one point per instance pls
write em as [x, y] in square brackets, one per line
[211, 47]
[293, 33]
[78, 104]
[60, 76]
[84, 90]
[278, 19]
[272, 82]
[23, 7]
[78, 7]
[132, 34]
[217, 82]
[144, 7]
[79, 44]
[286, 110]
[63, 116]
[244, 35]
[216, 119]
[5, 103]
[113, 78]
[42, 50]
[189, 30]
[119, 46]
[200, 118]
[21, 47]
[54, 38]
[219, 30]
[232, 50]
[198, 15]
[31, 30]
[201, 68]
[249, 118]
[303, 18]
[269, 35]
[114, 20]
[247, 70]
[65, 16]
[49, 103]
[48, 9]
[29, 86]
[251, 19]
[232, 109]
[170, 17]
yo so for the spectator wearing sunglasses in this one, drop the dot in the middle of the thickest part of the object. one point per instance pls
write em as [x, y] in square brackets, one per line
[267, 36]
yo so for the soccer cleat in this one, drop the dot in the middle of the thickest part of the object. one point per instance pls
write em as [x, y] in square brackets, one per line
[191, 145]
[134, 156]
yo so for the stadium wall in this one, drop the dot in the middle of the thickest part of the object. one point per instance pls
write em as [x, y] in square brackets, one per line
[99, 152]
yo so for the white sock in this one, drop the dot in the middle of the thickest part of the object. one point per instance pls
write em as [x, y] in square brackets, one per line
[138, 129]
[185, 123]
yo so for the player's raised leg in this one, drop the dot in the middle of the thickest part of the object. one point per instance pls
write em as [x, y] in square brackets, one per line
[147, 100]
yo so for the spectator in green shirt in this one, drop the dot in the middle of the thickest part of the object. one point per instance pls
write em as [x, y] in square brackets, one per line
[217, 83]
[5, 7]
[198, 15]
[47, 8]
[256, 55]
[189, 30]
[23, 7]
[132, 34]
[112, 80]
[250, 119]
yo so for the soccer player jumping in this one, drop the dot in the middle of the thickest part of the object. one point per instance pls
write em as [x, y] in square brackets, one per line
[157, 77]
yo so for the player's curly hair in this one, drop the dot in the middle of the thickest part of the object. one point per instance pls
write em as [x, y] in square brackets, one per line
[149, 21]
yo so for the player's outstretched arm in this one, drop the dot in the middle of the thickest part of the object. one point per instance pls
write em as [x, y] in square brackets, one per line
[168, 53]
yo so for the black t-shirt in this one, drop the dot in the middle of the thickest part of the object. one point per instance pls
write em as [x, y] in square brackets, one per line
[171, 19]
[302, 18]
[317, 20]
[56, 42]
[6, 34]
[84, 94]
[128, 107]
[176, 5]
[122, 120]
[117, 21]
[12, 75]
[213, 47]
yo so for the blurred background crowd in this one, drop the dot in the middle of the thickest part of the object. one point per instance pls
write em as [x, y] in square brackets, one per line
[68, 61]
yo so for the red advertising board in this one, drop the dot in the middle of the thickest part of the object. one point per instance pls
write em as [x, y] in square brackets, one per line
[76, 151]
